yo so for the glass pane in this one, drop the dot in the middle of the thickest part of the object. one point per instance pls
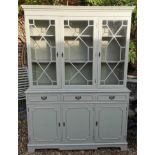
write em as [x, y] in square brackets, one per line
[41, 27]
[119, 71]
[44, 74]
[111, 80]
[78, 39]
[121, 41]
[42, 40]
[52, 22]
[87, 71]
[78, 73]
[30, 21]
[43, 52]
[75, 49]
[122, 32]
[51, 30]
[125, 22]
[78, 80]
[114, 25]
[113, 52]
[78, 52]
[41, 48]
[122, 53]
[106, 31]
[90, 54]
[105, 71]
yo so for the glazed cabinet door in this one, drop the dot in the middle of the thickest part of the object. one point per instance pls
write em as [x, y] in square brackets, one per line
[110, 122]
[78, 51]
[43, 47]
[77, 123]
[44, 123]
[113, 49]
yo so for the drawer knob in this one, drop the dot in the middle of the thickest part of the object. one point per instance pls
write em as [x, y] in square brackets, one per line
[77, 97]
[111, 97]
[43, 97]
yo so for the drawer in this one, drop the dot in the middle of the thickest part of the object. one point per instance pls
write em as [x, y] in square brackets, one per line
[78, 97]
[112, 97]
[43, 97]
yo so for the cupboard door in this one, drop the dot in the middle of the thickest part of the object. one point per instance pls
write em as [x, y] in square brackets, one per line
[77, 123]
[44, 121]
[43, 52]
[113, 41]
[78, 47]
[110, 122]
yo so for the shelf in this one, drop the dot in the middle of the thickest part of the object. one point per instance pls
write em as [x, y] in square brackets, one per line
[43, 61]
[122, 61]
[78, 36]
[115, 36]
[77, 61]
[42, 36]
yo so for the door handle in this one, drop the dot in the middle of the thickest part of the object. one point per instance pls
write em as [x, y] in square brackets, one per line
[96, 123]
[111, 97]
[78, 97]
[64, 124]
[99, 54]
[43, 97]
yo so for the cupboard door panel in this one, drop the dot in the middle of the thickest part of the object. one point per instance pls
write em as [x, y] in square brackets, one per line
[77, 123]
[44, 122]
[110, 122]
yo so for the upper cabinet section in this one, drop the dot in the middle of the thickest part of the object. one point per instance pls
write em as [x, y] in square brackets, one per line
[77, 46]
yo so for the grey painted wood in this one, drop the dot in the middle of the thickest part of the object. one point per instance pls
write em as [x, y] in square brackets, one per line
[77, 123]
[44, 123]
[111, 122]
[43, 97]
[55, 91]
[87, 114]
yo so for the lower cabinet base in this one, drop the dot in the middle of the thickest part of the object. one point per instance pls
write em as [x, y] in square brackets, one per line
[89, 146]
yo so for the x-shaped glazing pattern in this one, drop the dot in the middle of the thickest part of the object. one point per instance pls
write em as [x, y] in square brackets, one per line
[79, 71]
[43, 75]
[42, 33]
[113, 45]
[78, 52]
[113, 71]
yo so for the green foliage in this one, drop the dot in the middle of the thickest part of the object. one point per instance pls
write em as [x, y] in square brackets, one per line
[110, 2]
[132, 52]
[40, 2]
[94, 2]
[35, 2]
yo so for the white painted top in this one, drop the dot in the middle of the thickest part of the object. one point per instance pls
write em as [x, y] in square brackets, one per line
[61, 7]
[92, 11]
